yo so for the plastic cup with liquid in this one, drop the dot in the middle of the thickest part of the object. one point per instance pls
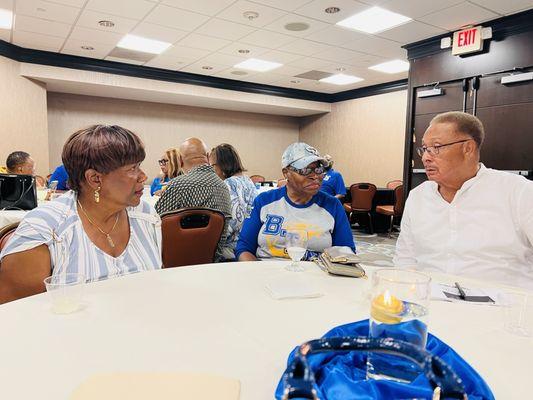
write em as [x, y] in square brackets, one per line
[65, 292]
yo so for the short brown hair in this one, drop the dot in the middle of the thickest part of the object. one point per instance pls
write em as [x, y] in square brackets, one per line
[228, 159]
[15, 159]
[103, 148]
[464, 123]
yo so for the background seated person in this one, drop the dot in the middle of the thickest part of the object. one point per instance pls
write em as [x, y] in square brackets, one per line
[61, 176]
[199, 186]
[170, 168]
[333, 184]
[21, 163]
[298, 205]
[100, 228]
[467, 219]
[228, 166]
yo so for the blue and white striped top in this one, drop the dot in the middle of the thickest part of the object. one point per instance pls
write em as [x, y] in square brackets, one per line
[58, 225]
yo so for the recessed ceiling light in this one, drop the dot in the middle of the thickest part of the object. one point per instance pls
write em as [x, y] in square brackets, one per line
[251, 15]
[87, 47]
[296, 26]
[332, 10]
[6, 19]
[244, 51]
[341, 79]
[139, 43]
[373, 20]
[255, 64]
[106, 24]
[391, 67]
[295, 81]
[207, 67]
[239, 73]
[340, 69]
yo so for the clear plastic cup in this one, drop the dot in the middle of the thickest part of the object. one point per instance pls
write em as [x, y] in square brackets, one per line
[65, 292]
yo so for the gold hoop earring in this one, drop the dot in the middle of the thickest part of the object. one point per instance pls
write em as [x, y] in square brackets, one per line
[97, 195]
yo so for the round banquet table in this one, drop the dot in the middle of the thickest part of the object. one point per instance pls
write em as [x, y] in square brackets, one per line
[219, 319]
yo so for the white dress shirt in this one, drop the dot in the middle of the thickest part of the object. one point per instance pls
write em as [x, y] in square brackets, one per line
[486, 232]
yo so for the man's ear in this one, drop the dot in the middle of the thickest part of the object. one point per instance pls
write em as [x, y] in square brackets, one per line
[93, 178]
[470, 148]
[181, 161]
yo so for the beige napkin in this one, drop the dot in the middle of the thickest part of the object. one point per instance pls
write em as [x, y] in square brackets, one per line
[157, 386]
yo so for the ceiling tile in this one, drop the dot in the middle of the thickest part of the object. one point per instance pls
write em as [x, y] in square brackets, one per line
[94, 35]
[7, 4]
[5, 34]
[412, 32]
[37, 25]
[417, 8]
[266, 78]
[378, 46]
[203, 42]
[316, 9]
[233, 50]
[266, 14]
[175, 18]
[90, 19]
[228, 74]
[283, 4]
[124, 60]
[504, 7]
[158, 32]
[179, 52]
[279, 25]
[224, 29]
[304, 47]
[170, 63]
[198, 68]
[134, 9]
[280, 56]
[336, 54]
[48, 11]
[309, 63]
[457, 16]
[73, 3]
[37, 41]
[336, 36]
[365, 60]
[223, 59]
[74, 47]
[268, 39]
[290, 70]
[206, 7]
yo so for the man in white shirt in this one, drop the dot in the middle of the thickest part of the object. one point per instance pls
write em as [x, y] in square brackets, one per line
[467, 219]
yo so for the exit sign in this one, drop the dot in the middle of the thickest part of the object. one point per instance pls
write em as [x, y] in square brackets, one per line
[467, 41]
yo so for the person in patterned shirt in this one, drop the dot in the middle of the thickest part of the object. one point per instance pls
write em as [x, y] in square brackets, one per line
[199, 186]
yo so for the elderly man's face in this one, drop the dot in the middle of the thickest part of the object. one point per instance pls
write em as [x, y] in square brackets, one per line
[445, 166]
[28, 167]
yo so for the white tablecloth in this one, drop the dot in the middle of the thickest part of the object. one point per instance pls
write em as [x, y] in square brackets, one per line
[219, 319]
[10, 216]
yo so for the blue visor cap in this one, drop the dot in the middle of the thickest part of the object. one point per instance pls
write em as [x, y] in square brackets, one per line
[300, 155]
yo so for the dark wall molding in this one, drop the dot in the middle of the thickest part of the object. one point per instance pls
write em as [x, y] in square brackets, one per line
[501, 28]
[111, 67]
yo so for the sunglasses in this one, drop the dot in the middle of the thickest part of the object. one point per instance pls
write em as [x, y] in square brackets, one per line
[308, 171]
[162, 161]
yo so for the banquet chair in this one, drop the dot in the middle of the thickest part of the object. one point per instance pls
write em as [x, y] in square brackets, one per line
[394, 184]
[395, 210]
[6, 232]
[257, 178]
[190, 236]
[362, 196]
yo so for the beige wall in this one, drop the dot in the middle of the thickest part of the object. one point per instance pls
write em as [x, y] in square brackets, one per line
[260, 139]
[23, 116]
[365, 137]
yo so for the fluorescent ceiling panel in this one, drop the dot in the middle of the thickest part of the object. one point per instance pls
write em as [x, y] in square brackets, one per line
[6, 19]
[341, 79]
[138, 43]
[254, 64]
[391, 67]
[374, 20]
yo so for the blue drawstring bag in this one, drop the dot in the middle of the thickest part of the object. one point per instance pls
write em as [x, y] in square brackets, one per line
[342, 374]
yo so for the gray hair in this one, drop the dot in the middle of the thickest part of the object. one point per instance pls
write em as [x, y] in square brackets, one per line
[464, 123]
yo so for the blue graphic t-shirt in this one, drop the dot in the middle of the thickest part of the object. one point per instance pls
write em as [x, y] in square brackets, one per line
[324, 219]
[157, 184]
[333, 183]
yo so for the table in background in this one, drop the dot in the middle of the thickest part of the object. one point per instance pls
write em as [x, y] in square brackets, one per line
[219, 319]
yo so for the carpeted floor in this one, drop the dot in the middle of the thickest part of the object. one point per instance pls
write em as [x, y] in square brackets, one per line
[377, 248]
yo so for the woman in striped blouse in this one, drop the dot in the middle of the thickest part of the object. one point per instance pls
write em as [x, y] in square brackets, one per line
[99, 229]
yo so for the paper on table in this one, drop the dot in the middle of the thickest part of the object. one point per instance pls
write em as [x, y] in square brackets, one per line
[292, 287]
[441, 291]
[160, 386]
